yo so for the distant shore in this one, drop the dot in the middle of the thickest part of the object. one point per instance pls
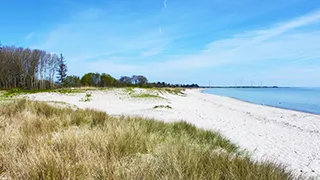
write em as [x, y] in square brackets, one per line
[288, 137]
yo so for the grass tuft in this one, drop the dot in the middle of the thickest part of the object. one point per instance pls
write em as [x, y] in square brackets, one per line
[146, 96]
[87, 98]
[162, 106]
[39, 141]
[130, 90]
[175, 91]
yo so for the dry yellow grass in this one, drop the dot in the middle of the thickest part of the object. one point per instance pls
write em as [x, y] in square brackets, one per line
[39, 141]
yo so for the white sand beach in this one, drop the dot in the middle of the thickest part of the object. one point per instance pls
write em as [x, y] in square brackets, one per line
[283, 136]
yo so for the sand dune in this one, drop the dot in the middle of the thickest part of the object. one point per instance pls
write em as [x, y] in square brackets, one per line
[288, 137]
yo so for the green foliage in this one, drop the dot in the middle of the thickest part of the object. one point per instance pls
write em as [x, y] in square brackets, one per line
[91, 79]
[72, 81]
[162, 106]
[108, 81]
[39, 141]
[62, 70]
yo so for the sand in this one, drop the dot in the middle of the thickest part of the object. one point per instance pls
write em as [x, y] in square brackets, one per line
[288, 137]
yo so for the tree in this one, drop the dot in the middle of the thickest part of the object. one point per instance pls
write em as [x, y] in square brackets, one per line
[62, 70]
[86, 80]
[108, 81]
[72, 81]
[139, 80]
[91, 79]
[26, 68]
[125, 80]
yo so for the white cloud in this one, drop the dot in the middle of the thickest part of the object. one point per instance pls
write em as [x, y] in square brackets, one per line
[165, 3]
[276, 43]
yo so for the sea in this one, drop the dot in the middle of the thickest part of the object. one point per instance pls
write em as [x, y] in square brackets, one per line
[293, 98]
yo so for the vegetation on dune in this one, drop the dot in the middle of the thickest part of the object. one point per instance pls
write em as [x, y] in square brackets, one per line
[144, 95]
[162, 106]
[39, 141]
[17, 91]
[174, 91]
[87, 97]
[130, 90]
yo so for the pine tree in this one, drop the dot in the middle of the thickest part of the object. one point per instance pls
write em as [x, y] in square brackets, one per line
[62, 70]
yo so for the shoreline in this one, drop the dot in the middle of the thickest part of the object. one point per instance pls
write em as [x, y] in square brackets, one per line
[291, 138]
[283, 108]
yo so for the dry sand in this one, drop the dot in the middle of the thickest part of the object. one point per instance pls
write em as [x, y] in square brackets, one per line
[287, 137]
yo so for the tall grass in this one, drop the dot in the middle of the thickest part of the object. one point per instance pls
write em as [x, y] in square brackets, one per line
[38, 141]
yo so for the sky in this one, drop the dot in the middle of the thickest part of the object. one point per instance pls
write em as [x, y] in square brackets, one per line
[208, 42]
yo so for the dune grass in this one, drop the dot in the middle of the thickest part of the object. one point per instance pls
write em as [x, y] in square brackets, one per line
[39, 141]
[129, 90]
[174, 91]
[17, 91]
[145, 95]
[162, 106]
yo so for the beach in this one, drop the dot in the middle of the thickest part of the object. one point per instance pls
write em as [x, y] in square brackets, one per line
[283, 136]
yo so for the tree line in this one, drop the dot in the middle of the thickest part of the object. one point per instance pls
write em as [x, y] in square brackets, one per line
[106, 80]
[27, 68]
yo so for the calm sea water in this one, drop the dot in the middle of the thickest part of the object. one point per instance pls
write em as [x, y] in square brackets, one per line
[299, 99]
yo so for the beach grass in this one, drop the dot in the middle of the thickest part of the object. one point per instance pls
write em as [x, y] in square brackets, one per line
[39, 141]
[17, 91]
[145, 95]
[162, 106]
[174, 91]
[129, 90]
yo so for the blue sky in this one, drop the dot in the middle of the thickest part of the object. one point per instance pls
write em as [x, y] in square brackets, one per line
[224, 42]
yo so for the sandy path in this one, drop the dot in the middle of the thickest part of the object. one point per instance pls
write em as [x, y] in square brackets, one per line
[289, 137]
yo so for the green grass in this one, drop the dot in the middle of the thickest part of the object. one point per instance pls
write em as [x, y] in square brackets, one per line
[16, 91]
[162, 106]
[39, 141]
[146, 96]
[173, 91]
[129, 90]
